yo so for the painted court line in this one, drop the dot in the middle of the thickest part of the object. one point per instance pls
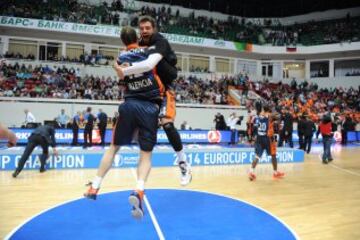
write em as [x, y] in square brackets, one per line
[340, 168]
[344, 170]
[9, 235]
[242, 201]
[151, 213]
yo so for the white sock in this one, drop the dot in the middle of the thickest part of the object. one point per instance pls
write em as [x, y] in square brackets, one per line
[181, 156]
[96, 182]
[140, 185]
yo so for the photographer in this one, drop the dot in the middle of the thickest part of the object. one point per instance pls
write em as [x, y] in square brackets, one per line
[220, 123]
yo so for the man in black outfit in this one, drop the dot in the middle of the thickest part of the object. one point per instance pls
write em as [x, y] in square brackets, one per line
[102, 123]
[287, 130]
[346, 126]
[75, 128]
[42, 136]
[301, 129]
[89, 120]
[309, 130]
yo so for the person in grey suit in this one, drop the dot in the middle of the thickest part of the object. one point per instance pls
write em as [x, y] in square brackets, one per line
[43, 136]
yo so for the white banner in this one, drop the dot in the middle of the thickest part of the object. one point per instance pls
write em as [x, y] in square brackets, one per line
[106, 31]
[112, 31]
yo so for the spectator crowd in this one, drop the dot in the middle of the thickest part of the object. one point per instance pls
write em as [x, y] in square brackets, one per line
[169, 21]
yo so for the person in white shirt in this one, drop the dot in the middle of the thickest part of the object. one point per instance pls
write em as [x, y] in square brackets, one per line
[62, 119]
[29, 117]
[231, 123]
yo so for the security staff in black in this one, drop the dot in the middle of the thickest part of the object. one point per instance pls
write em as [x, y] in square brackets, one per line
[102, 123]
[89, 126]
[287, 130]
[301, 130]
[309, 130]
[75, 128]
[42, 136]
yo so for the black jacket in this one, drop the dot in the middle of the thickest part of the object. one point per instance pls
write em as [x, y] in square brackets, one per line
[48, 132]
[347, 125]
[301, 127]
[288, 122]
[309, 128]
[166, 68]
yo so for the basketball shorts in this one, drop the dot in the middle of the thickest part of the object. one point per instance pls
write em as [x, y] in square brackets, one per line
[262, 144]
[137, 116]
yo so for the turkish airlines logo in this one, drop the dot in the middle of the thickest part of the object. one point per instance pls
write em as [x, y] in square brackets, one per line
[96, 138]
[214, 136]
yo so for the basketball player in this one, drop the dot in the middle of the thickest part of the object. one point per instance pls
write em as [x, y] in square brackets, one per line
[263, 143]
[274, 128]
[139, 112]
[164, 58]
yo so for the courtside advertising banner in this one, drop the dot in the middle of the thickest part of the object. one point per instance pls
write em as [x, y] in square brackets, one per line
[65, 136]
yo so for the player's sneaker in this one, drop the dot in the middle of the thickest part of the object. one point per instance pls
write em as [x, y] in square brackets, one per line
[252, 176]
[278, 175]
[185, 173]
[91, 192]
[15, 174]
[135, 200]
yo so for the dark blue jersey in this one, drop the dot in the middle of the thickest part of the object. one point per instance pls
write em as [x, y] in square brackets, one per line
[144, 86]
[262, 125]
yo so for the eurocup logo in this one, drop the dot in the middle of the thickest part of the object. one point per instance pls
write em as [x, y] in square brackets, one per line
[214, 136]
[119, 160]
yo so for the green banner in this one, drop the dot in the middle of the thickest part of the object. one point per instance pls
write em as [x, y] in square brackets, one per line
[242, 46]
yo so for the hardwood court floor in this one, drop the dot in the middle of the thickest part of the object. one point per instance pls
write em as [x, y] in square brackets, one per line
[317, 201]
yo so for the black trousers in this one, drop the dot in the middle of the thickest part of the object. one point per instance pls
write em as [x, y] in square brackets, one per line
[307, 143]
[33, 141]
[301, 141]
[343, 137]
[88, 136]
[233, 133]
[281, 139]
[287, 137]
[75, 132]
[102, 131]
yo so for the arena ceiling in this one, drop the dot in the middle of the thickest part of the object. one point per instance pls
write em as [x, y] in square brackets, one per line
[263, 8]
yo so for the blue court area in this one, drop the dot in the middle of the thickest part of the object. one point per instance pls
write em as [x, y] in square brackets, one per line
[180, 214]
